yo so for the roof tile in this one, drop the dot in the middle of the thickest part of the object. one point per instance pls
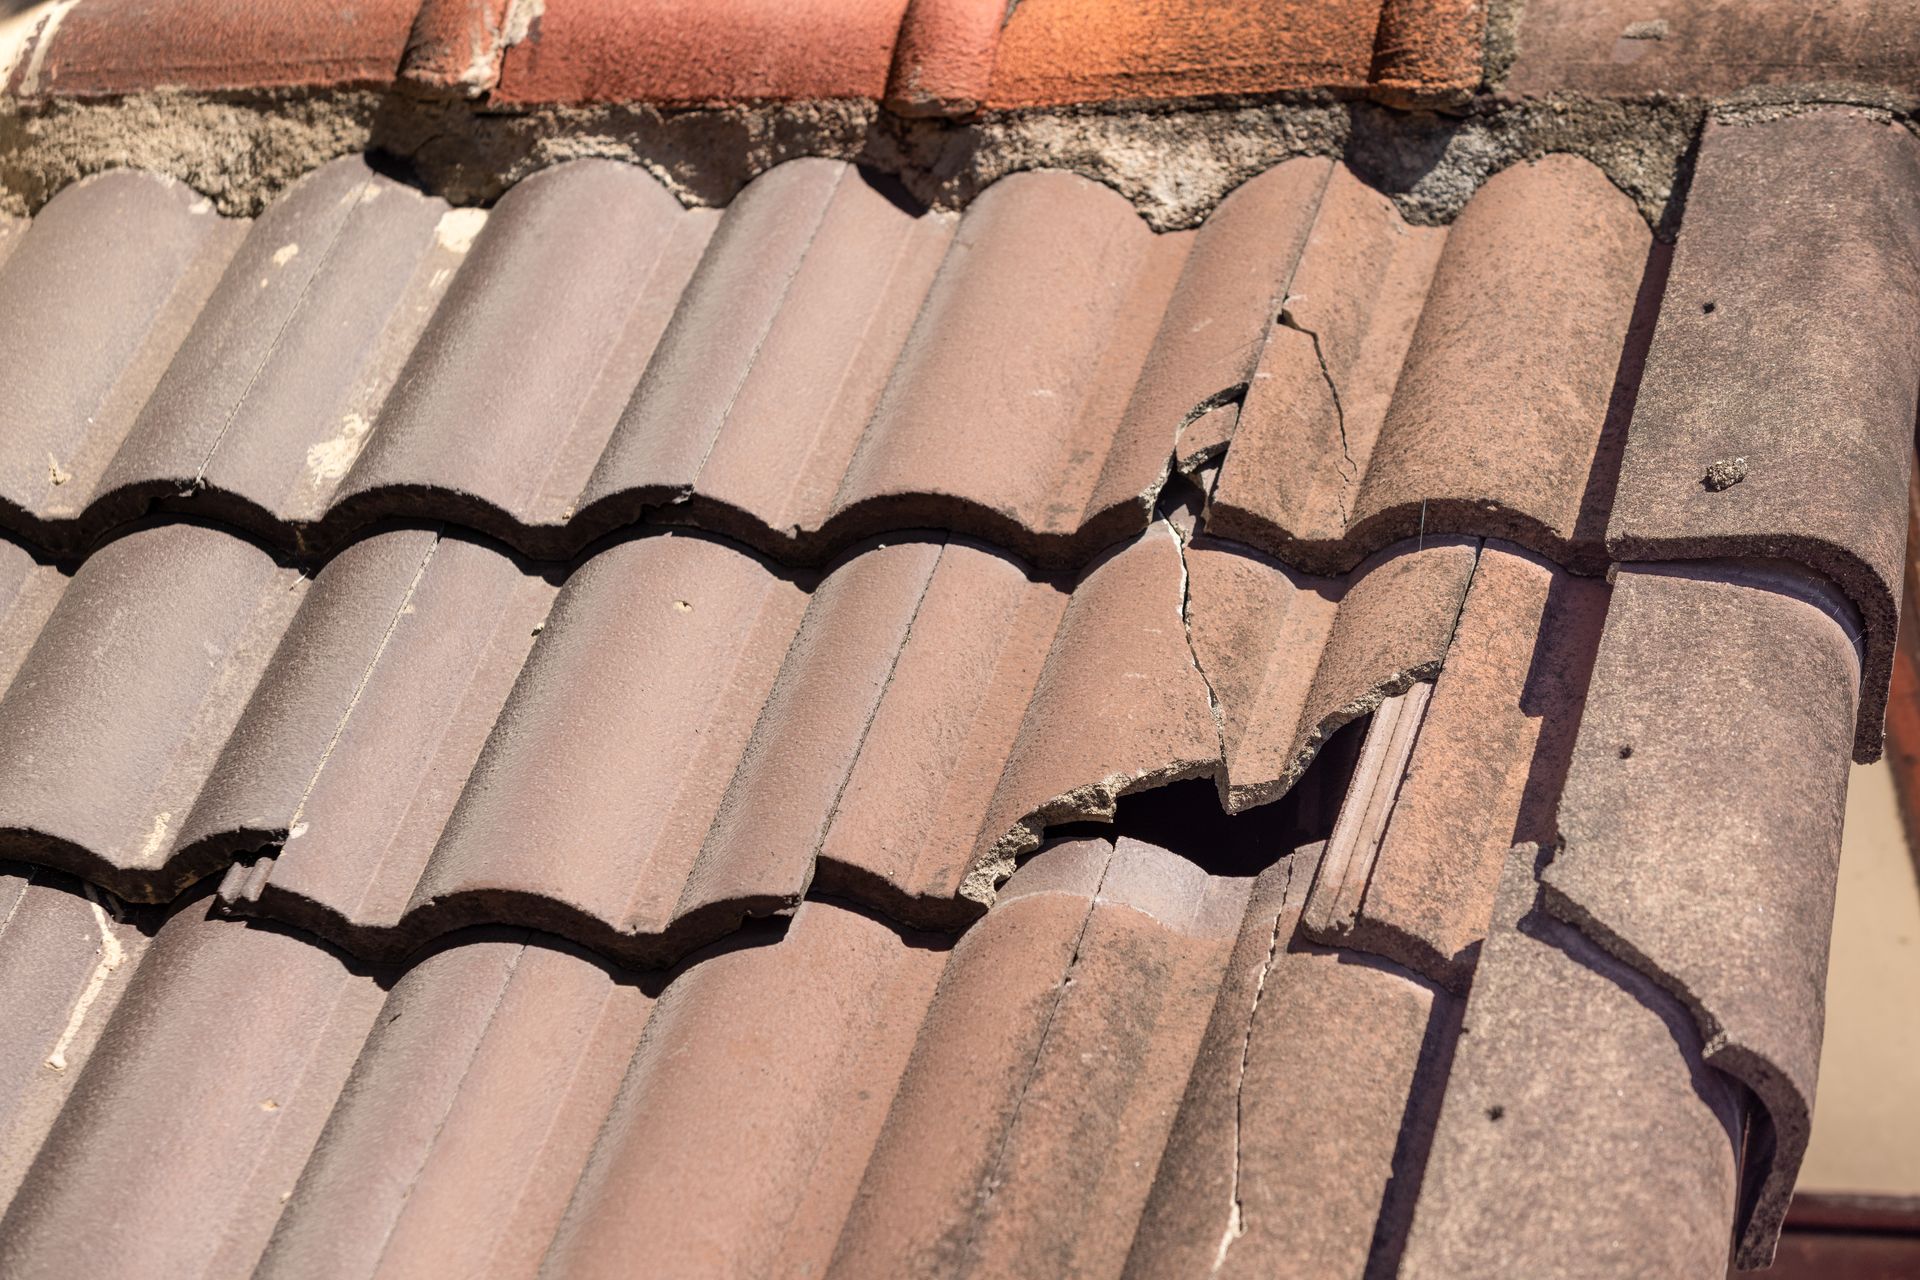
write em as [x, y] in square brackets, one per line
[1581, 1134]
[1711, 47]
[1290, 658]
[1288, 1141]
[1702, 831]
[700, 51]
[1046, 1072]
[1484, 774]
[1061, 51]
[174, 1068]
[1789, 352]
[943, 60]
[1495, 421]
[112, 47]
[470, 1111]
[128, 695]
[93, 302]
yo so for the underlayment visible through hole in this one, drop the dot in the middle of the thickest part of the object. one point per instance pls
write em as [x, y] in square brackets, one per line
[1174, 163]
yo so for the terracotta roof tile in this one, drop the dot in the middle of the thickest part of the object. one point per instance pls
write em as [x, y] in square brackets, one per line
[1288, 1141]
[943, 60]
[1776, 414]
[1496, 417]
[692, 51]
[109, 47]
[469, 1113]
[226, 1039]
[1060, 51]
[1702, 833]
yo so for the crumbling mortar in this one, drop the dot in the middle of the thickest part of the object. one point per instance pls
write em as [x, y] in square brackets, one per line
[1173, 161]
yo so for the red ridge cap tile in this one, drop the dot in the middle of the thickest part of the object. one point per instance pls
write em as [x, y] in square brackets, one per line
[101, 48]
[1055, 52]
[455, 46]
[686, 52]
[943, 60]
[1428, 53]
[1776, 414]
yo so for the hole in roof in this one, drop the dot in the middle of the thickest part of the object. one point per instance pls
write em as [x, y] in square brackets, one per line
[1186, 818]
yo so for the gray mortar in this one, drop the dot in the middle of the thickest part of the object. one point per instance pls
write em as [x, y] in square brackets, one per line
[1174, 163]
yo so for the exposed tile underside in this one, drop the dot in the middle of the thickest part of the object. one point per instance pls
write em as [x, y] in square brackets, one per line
[513, 596]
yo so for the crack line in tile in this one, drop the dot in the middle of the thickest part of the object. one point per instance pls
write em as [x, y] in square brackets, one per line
[400, 611]
[1193, 653]
[991, 1183]
[1236, 1218]
[1288, 321]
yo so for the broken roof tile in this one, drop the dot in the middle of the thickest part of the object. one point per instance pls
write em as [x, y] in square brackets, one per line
[1120, 706]
[1495, 420]
[1776, 414]
[1482, 774]
[1701, 823]
[1581, 1134]
[1290, 658]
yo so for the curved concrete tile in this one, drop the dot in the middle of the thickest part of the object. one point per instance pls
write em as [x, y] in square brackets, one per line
[1776, 415]
[94, 300]
[1701, 823]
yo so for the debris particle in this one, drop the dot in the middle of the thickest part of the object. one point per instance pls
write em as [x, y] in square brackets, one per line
[269, 1105]
[1626, 751]
[285, 253]
[457, 228]
[684, 606]
[1646, 29]
[1725, 474]
[1496, 1112]
[56, 473]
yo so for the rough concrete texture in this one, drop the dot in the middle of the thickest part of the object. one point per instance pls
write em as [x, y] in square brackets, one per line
[1174, 163]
